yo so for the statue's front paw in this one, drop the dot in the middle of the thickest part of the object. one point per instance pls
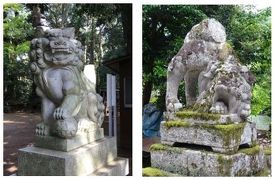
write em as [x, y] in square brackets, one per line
[66, 128]
[218, 108]
[173, 107]
[42, 129]
[60, 114]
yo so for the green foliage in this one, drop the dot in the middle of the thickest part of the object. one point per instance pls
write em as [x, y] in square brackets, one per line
[17, 32]
[250, 34]
[163, 30]
[99, 27]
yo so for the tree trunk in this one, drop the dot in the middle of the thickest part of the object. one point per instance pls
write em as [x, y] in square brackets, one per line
[126, 13]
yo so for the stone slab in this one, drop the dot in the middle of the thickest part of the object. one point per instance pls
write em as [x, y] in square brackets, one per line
[118, 167]
[35, 161]
[262, 122]
[60, 144]
[206, 118]
[188, 162]
[219, 137]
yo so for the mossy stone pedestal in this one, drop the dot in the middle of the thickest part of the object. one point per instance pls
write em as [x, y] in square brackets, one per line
[193, 162]
[202, 144]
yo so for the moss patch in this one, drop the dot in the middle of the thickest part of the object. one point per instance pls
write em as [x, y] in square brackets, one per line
[265, 172]
[149, 171]
[197, 115]
[158, 147]
[177, 123]
[267, 151]
[251, 151]
[164, 147]
[228, 132]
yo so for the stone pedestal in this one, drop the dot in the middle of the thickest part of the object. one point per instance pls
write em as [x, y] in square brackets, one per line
[190, 162]
[223, 138]
[61, 144]
[96, 158]
[202, 144]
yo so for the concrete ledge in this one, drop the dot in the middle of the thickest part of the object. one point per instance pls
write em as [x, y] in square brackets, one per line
[34, 161]
[188, 162]
[118, 167]
[60, 144]
[221, 138]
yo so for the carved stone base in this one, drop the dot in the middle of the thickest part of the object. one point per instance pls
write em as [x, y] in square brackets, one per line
[60, 144]
[85, 160]
[188, 162]
[221, 138]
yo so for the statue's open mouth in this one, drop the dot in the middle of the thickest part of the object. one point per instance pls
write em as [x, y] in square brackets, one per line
[67, 50]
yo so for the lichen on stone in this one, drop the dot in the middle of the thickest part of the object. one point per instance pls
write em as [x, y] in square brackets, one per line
[225, 164]
[229, 132]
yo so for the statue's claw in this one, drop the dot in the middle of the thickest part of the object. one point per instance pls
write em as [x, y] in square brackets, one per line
[42, 129]
[60, 114]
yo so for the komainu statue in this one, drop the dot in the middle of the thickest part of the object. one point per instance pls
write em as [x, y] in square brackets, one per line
[215, 81]
[70, 103]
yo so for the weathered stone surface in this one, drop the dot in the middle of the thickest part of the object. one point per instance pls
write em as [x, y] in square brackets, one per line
[206, 61]
[61, 144]
[221, 138]
[69, 101]
[34, 161]
[187, 162]
[206, 118]
[118, 167]
[263, 122]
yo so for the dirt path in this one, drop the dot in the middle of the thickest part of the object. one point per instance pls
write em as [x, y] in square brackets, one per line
[19, 130]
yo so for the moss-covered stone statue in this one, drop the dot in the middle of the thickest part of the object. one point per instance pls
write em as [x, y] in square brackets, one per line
[215, 81]
[70, 103]
[212, 136]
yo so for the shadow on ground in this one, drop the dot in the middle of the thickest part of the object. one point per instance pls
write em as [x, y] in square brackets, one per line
[19, 130]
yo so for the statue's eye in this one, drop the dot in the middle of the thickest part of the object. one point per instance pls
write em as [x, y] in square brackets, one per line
[56, 43]
[64, 43]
